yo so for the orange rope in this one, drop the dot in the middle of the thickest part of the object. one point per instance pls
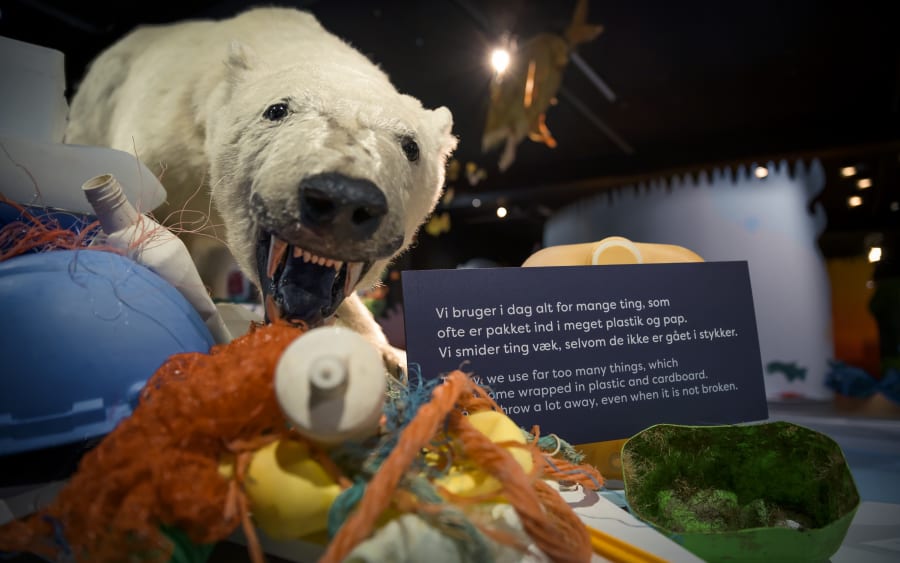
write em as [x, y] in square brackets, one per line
[560, 469]
[477, 399]
[557, 531]
[380, 489]
[572, 542]
[585, 475]
[537, 464]
[253, 545]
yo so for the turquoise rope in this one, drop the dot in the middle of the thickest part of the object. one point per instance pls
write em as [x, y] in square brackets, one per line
[452, 522]
[343, 505]
[552, 442]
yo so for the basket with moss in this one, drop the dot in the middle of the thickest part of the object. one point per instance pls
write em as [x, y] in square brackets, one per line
[774, 491]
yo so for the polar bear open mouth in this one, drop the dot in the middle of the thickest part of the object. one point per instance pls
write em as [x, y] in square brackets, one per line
[299, 286]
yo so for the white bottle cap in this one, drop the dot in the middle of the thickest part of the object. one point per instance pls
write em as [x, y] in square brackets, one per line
[331, 384]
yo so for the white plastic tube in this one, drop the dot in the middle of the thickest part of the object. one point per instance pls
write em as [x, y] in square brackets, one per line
[148, 243]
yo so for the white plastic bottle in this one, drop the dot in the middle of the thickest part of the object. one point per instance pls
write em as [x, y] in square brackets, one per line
[148, 243]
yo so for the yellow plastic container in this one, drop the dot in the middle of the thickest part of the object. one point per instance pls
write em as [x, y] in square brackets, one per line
[606, 456]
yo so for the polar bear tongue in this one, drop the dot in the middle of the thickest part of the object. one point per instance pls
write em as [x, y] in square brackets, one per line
[301, 287]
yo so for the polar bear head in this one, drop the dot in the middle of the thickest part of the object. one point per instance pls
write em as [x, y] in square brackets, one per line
[322, 173]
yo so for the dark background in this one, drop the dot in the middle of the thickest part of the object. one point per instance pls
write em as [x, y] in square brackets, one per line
[697, 84]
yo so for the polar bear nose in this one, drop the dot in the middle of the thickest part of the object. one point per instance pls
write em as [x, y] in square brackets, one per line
[343, 207]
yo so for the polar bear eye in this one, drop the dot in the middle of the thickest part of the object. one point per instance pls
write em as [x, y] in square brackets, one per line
[410, 148]
[276, 112]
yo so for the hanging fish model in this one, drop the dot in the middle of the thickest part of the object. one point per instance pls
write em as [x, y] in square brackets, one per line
[521, 95]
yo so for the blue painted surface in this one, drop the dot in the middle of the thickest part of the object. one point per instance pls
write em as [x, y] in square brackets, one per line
[82, 331]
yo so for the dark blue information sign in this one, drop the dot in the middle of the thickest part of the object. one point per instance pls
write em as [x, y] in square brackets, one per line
[595, 353]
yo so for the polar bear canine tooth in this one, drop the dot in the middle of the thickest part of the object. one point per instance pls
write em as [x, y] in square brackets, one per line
[277, 254]
[354, 272]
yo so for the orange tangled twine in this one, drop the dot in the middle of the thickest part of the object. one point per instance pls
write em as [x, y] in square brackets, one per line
[160, 466]
[545, 516]
[32, 233]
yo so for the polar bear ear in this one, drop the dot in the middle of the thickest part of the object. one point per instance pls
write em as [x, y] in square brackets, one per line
[442, 123]
[240, 57]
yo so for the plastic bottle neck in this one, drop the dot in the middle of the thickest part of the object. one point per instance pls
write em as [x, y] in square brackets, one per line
[113, 209]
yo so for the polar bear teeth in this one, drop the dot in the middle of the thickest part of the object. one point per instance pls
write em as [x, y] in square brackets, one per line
[354, 273]
[278, 251]
[318, 260]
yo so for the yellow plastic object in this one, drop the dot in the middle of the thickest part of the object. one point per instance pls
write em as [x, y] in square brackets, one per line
[289, 492]
[606, 456]
[499, 428]
[611, 250]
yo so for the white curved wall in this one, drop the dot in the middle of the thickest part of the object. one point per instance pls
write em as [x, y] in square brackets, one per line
[736, 217]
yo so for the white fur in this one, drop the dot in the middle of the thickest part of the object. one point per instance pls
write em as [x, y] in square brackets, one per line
[189, 98]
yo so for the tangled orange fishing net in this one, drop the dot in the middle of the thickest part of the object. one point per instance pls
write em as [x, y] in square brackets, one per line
[160, 467]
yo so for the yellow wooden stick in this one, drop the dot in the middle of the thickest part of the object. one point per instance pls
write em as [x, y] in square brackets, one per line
[619, 551]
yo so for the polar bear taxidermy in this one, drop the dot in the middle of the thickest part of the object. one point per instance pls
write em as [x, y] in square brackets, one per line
[318, 169]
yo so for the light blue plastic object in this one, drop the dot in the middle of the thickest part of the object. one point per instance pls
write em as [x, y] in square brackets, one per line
[82, 331]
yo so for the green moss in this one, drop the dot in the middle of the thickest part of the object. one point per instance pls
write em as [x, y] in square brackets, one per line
[736, 477]
[710, 510]
[756, 514]
[715, 510]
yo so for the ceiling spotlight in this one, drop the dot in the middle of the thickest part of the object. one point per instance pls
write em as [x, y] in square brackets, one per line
[476, 202]
[848, 171]
[854, 201]
[864, 183]
[500, 60]
[875, 254]
[761, 172]
[501, 212]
